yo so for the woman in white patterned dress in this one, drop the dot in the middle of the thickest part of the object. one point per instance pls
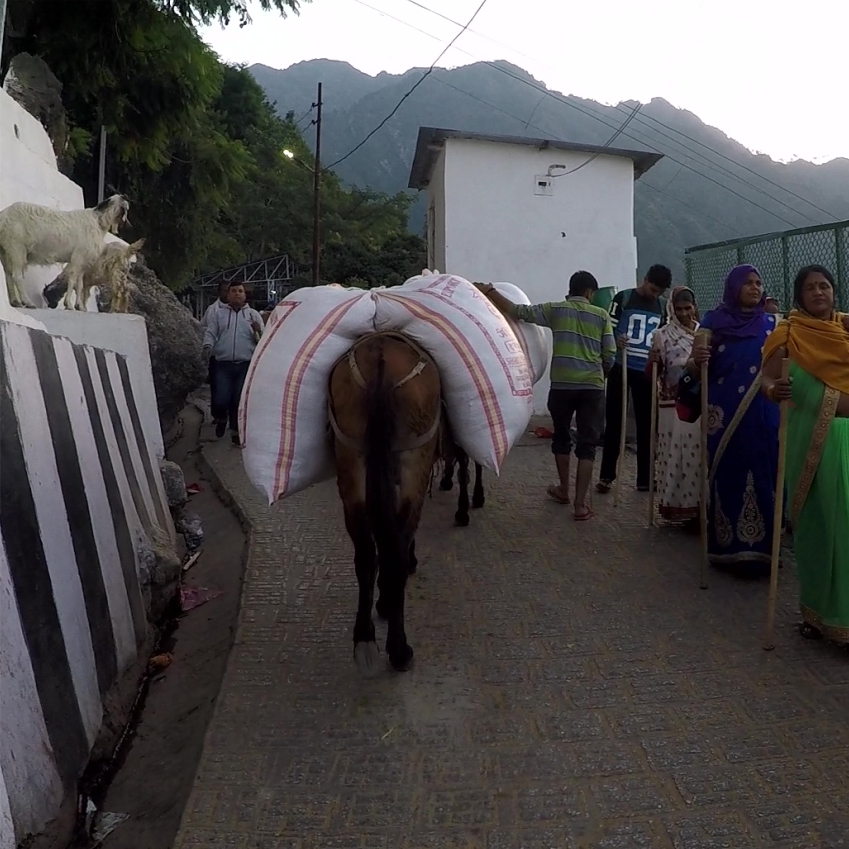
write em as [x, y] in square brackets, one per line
[678, 443]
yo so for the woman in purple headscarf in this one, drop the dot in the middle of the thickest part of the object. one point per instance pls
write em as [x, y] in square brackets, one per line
[742, 425]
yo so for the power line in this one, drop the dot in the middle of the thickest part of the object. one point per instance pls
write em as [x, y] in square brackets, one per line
[305, 115]
[642, 120]
[645, 117]
[721, 169]
[606, 144]
[424, 76]
[641, 183]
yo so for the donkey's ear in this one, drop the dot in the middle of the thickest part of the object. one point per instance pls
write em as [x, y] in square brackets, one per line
[102, 206]
[135, 247]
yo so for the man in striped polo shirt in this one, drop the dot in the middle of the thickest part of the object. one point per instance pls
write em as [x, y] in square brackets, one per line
[584, 349]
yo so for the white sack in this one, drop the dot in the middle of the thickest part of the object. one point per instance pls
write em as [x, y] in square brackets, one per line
[283, 410]
[536, 341]
[486, 381]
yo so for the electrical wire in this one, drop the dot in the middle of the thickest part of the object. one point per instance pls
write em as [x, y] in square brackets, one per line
[424, 76]
[605, 145]
[643, 183]
[643, 120]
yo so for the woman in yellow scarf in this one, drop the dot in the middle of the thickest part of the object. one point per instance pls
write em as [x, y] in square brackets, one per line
[816, 339]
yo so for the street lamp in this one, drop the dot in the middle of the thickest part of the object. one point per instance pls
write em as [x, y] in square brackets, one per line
[288, 154]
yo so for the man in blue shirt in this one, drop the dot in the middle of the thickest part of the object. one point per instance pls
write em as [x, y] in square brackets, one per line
[635, 315]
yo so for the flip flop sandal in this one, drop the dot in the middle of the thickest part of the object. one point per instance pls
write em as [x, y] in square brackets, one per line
[583, 517]
[604, 487]
[554, 494]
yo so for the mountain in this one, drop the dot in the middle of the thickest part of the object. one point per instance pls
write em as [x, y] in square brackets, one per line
[708, 188]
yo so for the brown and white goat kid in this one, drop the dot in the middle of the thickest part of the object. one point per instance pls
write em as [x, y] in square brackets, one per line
[31, 234]
[110, 271]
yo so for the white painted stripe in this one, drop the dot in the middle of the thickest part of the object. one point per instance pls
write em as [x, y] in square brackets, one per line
[32, 783]
[124, 414]
[98, 503]
[133, 520]
[136, 449]
[53, 523]
[7, 827]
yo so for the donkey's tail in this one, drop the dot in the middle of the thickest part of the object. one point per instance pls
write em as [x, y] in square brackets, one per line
[381, 462]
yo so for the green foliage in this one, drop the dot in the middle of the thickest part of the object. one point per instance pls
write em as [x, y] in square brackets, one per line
[197, 12]
[196, 146]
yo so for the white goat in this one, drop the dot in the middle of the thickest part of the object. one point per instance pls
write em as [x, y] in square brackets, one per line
[111, 269]
[31, 234]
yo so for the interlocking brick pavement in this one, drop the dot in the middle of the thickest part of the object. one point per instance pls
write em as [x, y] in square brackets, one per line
[573, 689]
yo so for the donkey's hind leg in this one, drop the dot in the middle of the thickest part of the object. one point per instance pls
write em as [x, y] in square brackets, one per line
[461, 517]
[366, 654]
[447, 482]
[478, 497]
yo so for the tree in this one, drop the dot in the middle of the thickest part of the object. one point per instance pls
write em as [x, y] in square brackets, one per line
[213, 176]
[197, 12]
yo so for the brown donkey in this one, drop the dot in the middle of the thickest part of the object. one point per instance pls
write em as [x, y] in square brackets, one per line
[386, 414]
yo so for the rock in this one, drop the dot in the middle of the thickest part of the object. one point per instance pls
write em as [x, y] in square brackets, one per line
[174, 337]
[159, 572]
[32, 84]
[174, 484]
[191, 527]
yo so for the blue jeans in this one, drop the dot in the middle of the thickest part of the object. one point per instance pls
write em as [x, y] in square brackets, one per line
[228, 378]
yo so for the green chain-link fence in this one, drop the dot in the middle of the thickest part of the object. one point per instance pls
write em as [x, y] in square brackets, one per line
[778, 256]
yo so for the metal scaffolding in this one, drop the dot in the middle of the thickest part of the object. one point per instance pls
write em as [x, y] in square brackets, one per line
[267, 281]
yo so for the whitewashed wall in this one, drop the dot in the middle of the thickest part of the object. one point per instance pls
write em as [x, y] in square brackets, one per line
[29, 173]
[80, 493]
[125, 334]
[81, 508]
[497, 229]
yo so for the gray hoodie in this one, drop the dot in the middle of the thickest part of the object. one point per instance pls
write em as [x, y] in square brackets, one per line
[229, 334]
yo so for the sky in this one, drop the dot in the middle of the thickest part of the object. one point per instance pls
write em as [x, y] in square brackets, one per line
[774, 80]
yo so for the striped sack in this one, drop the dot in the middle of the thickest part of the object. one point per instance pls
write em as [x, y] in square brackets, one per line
[487, 384]
[536, 341]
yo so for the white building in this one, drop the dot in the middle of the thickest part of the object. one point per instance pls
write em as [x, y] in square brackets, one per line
[529, 211]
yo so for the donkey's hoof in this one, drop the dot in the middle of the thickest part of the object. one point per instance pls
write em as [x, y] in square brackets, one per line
[402, 661]
[461, 520]
[477, 503]
[380, 609]
[446, 484]
[367, 658]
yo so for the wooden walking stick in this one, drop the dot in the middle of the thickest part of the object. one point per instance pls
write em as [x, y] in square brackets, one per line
[653, 443]
[777, 516]
[704, 472]
[618, 483]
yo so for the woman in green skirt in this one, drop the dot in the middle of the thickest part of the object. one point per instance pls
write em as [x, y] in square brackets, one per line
[815, 337]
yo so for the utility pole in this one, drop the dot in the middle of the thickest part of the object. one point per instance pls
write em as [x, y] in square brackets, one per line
[316, 227]
[101, 167]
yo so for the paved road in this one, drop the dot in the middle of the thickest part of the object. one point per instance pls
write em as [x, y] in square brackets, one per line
[574, 689]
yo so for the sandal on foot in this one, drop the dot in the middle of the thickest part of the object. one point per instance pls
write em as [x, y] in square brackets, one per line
[582, 517]
[556, 494]
[604, 486]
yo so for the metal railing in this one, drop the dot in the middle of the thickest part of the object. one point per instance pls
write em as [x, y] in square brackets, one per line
[778, 257]
[269, 279]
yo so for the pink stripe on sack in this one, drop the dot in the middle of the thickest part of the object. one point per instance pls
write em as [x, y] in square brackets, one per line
[436, 290]
[264, 342]
[292, 391]
[486, 391]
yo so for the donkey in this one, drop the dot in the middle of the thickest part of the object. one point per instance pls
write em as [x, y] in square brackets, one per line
[455, 456]
[385, 411]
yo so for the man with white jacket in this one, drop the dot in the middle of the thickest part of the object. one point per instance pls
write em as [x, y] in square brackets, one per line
[231, 337]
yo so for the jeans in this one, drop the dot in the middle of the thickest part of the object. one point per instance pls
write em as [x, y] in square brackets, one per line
[639, 385]
[228, 378]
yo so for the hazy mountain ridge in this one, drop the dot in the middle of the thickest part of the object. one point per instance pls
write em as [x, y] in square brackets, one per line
[675, 208]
